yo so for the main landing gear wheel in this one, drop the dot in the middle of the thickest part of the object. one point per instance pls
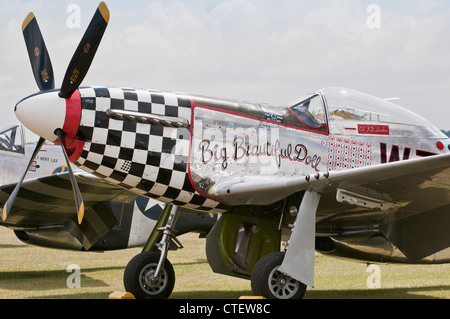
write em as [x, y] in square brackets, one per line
[269, 282]
[139, 277]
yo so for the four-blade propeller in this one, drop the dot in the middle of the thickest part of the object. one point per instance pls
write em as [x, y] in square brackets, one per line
[76, 72]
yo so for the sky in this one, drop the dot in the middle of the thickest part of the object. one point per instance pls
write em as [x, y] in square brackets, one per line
[254, 50]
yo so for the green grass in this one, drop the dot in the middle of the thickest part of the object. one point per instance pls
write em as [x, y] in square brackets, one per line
[34, 272]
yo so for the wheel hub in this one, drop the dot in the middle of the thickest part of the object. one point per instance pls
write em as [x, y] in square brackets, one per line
[150, 279]
[151, 284]
[281, 285]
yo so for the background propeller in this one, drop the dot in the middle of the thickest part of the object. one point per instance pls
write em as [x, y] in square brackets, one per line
[76, 72]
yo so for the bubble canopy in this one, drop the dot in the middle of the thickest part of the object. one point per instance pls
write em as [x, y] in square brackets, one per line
[342, 104]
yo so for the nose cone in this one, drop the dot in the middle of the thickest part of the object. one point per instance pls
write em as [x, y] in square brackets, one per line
[42, 113]
[45, 112]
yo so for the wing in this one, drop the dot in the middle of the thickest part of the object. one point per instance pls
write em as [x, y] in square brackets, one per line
[265, 190]
[49, 201]
[50, 198]
[406, 201]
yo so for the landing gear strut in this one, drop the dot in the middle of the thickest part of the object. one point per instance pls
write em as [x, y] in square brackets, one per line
[149, 275]
[285, 275]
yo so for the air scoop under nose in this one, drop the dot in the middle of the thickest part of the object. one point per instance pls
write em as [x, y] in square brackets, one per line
[45, 112]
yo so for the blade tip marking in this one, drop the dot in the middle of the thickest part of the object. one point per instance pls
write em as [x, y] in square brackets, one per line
[81, 213]
[4, 215]
[103, 8]
[27, 20]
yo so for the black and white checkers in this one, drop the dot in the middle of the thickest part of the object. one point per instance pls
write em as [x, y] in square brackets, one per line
[149, 160]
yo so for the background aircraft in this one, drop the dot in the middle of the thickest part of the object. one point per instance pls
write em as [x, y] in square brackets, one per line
[337, 170]
[43, 213]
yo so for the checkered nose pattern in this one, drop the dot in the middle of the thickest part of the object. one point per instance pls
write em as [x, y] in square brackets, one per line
[140, 139]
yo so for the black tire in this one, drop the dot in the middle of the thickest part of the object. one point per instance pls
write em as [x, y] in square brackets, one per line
[137, 276]
[270, 283]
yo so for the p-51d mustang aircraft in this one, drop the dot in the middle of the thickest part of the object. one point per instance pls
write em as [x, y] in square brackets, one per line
[43, 212]
[337, 171]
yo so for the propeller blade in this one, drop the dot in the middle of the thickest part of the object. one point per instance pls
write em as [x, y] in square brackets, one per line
[9, 203]
[76, 190]
[84, 54]
[37, 51]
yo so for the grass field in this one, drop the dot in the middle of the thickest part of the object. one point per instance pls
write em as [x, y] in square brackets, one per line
[33, 273]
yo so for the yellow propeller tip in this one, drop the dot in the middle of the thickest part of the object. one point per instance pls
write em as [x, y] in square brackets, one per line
[81, 213]
[27, 20]
[103, 8]
[4, 212]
